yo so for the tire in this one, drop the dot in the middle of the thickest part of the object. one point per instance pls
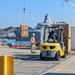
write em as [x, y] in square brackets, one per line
[57, 56]
[41, 57]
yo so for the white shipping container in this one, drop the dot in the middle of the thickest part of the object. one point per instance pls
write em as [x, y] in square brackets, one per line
[73, 38]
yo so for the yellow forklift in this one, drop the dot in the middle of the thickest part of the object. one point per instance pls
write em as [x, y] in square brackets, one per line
[53, 45]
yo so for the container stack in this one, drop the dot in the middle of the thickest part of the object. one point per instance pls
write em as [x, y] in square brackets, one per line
[66, 36]
[24, 30]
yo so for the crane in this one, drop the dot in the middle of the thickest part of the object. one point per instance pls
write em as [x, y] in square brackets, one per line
[69, 2]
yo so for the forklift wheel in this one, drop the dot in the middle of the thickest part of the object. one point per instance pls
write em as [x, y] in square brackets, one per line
[57, 56]
[41, 57]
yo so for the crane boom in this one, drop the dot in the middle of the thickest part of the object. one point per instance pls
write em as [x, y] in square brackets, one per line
[69, 2]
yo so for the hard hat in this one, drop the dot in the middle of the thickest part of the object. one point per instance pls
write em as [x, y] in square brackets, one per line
[33, 34]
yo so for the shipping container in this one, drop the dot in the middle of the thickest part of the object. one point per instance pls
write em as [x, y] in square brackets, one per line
[73, 37]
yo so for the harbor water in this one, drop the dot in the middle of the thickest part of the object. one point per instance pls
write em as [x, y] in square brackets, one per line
[14, 42]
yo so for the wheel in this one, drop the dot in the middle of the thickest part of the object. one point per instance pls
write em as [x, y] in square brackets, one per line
[41, 57]
[57, 56]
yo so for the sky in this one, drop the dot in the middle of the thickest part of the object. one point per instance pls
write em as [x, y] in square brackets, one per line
[12, 14]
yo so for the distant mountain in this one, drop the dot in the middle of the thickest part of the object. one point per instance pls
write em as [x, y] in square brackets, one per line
[18, 28]
[10, 29]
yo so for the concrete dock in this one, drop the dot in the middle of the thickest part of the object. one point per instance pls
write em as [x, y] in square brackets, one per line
[27, 63]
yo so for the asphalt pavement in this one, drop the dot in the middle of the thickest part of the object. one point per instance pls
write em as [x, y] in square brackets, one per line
[27, 63]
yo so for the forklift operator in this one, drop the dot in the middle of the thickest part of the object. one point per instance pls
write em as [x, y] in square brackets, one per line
[53, 36]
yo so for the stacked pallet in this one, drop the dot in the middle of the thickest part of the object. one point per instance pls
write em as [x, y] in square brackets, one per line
[24, 30]
[66, 36]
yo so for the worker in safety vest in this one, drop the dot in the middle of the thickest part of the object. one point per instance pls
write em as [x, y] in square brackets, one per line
[33, 42]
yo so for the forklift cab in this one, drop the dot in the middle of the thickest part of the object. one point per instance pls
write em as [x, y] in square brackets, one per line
[52, 37]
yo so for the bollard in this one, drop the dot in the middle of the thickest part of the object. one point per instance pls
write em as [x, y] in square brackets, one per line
[0, 65]
[7, 65]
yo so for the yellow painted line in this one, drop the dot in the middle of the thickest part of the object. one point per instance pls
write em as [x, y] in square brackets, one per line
[65, 68]
[72, 61]
[34, 65]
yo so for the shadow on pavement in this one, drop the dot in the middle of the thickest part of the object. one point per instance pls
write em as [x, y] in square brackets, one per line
[31, 57]
[28, 57]
[59, 74]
